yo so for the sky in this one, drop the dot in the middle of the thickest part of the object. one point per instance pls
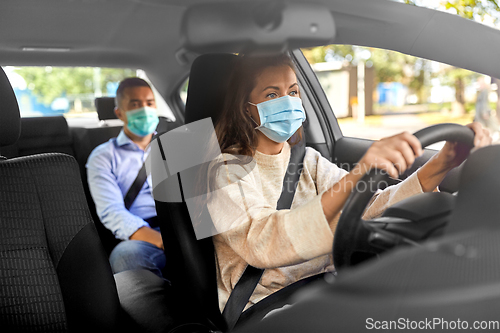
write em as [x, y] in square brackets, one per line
[488, 20]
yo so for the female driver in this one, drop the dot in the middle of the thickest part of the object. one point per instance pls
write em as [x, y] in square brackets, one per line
[262, 113]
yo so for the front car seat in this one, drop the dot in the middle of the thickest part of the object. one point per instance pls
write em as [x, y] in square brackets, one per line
[55, 275]
[192, 262]
[191, 267]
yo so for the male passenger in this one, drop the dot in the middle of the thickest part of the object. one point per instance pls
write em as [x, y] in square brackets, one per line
[113, 167]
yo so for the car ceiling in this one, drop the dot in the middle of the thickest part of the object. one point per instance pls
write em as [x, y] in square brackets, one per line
[146, 34]
[107, 33]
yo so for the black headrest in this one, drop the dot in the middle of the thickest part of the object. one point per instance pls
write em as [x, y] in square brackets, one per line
[208, 84]
[10, 118]
[105, 107]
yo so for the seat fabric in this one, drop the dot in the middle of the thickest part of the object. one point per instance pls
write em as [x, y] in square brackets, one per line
[55, 276]
[10, 124]
[192, 262]
[41, 135]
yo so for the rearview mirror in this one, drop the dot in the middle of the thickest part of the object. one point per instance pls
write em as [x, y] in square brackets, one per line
[244, 26]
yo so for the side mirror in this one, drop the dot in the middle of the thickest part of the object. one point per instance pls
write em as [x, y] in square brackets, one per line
[260, 26]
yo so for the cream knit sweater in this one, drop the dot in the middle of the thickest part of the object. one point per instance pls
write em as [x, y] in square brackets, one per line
[290, 244]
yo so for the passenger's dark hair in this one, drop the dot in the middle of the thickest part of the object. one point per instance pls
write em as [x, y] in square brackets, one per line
[130, 82]
[235, 130]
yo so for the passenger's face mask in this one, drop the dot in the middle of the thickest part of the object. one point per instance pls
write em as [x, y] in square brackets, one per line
[281, 117]
[142, 121]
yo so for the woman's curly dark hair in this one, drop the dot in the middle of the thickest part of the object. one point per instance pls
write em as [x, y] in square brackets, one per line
[235, 130]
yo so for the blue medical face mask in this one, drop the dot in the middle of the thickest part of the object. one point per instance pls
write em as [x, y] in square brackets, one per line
[142, 121]
[281, 117]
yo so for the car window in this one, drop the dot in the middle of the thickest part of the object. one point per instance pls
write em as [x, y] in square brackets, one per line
[183, 91]
[69, 91]
[161, 105]
[482, 11]
[401, 92]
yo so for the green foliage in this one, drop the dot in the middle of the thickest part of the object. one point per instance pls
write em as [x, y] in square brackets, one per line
[453, 74]
[325, 53]
[48, 83]
[470, 9]
[390, 66]
[316, 54]
[473, 9]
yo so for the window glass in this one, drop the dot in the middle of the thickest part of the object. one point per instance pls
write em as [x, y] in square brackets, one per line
[376, 93]
[486, 12]
[69, 91]
[162, 106]
[184, 91]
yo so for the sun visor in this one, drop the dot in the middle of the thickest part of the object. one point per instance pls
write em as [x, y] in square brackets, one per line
[267, 26]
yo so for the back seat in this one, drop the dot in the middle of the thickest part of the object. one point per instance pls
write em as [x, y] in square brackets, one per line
[85, 140]
[52, 134]
[41, 135]
[105, 107]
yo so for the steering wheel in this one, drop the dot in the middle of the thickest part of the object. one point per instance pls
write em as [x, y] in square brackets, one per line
[351, 240]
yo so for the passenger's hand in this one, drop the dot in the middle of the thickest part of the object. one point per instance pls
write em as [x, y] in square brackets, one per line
[393, 154]
[454, 153]
[149, 235]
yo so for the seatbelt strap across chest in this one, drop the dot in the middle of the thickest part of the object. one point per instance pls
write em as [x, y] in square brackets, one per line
[245, 286]
[139, 180]
[136, 187]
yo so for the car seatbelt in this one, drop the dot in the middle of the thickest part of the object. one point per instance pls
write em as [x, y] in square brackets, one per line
[136, 187]
[245, 286]
[139, 180]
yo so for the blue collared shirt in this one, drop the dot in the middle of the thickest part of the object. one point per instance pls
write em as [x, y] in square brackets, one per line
[111, 169]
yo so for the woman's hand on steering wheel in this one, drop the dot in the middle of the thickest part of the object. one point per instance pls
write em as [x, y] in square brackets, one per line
[392, 154]
[450, 156]
[351, 236]
[453, 153]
